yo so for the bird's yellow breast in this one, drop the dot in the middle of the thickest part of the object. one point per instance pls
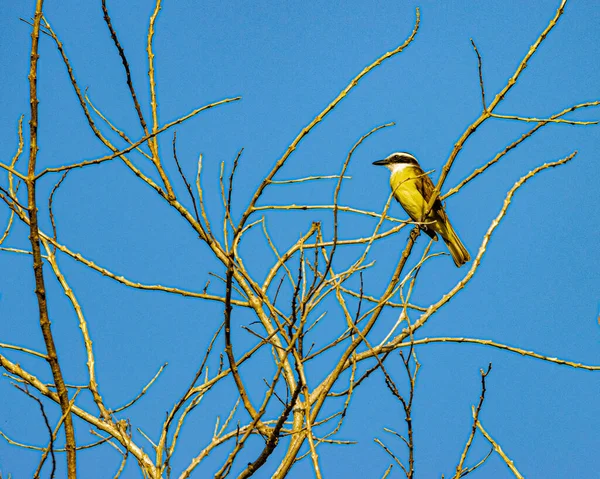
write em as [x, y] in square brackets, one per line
[403, 182]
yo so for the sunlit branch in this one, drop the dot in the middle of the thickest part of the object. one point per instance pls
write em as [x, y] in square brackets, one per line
[543, 120]
[346, 209]
[142, 392]
[112, 429]
[120, 153]
[23, 350]
[308, 178]
[498, 449]
[91, 362]
[34, 238]
[514, 144]
[486, 114]
[460, 470]
[308, 128]
[494, 344]
[482, 249]
[118, 131]
[113, 35]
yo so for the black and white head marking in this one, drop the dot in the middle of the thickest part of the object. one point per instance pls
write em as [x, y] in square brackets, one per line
[398, 161]
[401, 157]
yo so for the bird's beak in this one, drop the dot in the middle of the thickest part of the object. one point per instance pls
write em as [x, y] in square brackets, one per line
[380, 162]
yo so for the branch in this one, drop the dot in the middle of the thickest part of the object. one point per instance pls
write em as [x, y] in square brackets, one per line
[495, 102]
[480, 75]
[24, 350]
[134, 145]
[346, 209]
[114, 128]
[392, 455]
[228, 347]
[489, 342]
[154, 105]
[514, 144]
[121, 279]
[483, 248]
[113, 35]
[309, 178]
[112, 429]
[307, 129]
[542, 120]
[50, 447]
[498, 449]
[187, 184]
[459, 469]
[34, 237]
[87, 341]
[273, 438]
[142, 392]
[47, 423]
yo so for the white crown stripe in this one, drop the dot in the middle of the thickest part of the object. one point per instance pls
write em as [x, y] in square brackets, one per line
[401, 157]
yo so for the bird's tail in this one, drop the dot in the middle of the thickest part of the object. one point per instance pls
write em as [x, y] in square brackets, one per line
[459, 253]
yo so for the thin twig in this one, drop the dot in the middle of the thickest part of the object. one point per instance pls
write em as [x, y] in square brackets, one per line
[542, 120]
[46, 422]
[24, 350]
[392, 455]
[113, 35]
[308, 178]
[142, 392]
[459, 469]
[137, 143]
[480, 75]
[50, 447]
[93, 385]
[308, 128]
[494, 344]
[50, 201]
[487, 113]
[498, 449]
[514, 144]
[187, 184]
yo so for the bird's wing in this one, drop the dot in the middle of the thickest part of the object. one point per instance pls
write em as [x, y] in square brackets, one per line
[426, 188]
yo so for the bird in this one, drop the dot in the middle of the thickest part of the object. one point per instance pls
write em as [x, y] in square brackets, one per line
[413, 188]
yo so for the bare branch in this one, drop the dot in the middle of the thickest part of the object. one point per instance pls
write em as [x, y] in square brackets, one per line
[187, 184]
[46, 422]
[514, 144]
[498, 449]
[460, 471]
[480, 75]
[50, 447]
[483, 248]
[24, 350]
[34, 237]
[120, 153]
[307, 129]
[93, 385]
[512, 349]
[542, 120]
[495, 102]
[142, 392]
[308, 178]
[113, 35]
[392, 455]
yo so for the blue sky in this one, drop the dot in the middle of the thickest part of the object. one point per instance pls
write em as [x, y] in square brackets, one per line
[537, 288]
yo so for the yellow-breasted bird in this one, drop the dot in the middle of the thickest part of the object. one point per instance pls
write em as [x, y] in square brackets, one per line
[413, 189]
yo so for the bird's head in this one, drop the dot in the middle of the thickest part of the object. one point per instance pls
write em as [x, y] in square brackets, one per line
[396, 159]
